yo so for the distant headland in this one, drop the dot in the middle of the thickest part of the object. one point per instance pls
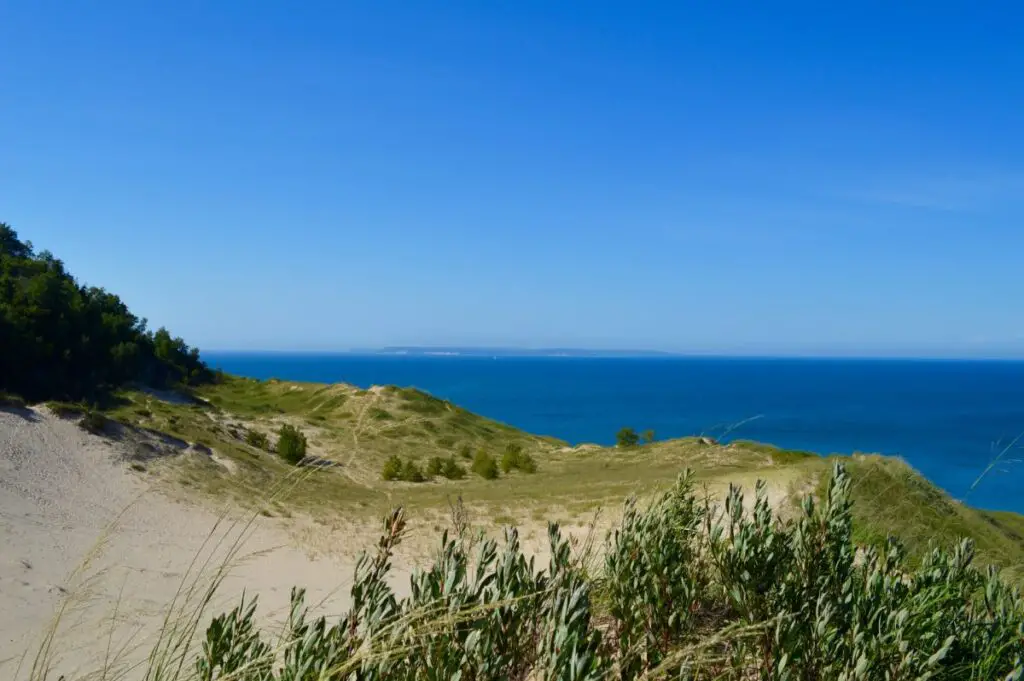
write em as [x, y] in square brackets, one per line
[472, 351]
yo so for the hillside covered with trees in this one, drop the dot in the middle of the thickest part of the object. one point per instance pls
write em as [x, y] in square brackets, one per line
[62, 340]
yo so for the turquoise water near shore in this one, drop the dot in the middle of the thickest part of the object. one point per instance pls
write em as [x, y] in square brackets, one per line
[949, 419]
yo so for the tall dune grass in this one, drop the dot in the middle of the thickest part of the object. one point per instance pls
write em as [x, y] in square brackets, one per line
[683, 589]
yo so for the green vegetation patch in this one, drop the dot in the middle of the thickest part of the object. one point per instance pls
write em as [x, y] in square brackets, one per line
[378, 414]
[680, 589]
[11, 401]
[291, 444]
[485, 465]
[514, 458]
[62, 340]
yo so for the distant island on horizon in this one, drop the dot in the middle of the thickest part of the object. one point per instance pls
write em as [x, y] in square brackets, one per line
[470, 351]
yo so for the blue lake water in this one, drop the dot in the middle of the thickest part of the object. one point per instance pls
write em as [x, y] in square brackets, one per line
[949, 419]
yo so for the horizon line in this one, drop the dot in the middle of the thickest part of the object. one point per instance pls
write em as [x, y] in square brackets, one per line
[478, 352]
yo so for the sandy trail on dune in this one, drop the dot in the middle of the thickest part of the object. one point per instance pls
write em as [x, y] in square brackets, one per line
[66, 495]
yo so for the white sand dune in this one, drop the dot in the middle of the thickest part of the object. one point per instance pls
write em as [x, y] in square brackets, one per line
[62, 491]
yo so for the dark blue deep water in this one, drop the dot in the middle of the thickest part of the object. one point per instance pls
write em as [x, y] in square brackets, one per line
[949, 419]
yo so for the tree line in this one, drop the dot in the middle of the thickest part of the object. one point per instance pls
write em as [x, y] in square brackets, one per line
[63, 340]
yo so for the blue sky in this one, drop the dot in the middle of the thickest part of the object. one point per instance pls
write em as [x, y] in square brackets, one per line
[754, 178]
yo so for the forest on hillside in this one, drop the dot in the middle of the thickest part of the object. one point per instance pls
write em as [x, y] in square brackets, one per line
[63, 340]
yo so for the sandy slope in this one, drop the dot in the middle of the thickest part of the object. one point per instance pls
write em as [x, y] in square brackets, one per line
[63, 490]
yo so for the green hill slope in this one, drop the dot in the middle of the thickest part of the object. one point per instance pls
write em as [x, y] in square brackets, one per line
[352, 433]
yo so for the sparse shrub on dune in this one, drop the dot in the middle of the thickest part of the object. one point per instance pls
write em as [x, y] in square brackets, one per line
[393, 468]
[406, 470]
[411, 472]
[291, 444]
[515, 458]
[485, 465]
[453, 470]
[435, 466]
[446, 467]
[627, 438]
[255, 438]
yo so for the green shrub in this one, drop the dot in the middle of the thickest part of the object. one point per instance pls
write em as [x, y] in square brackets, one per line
[11, 401]
[514, 458]
[647, 437]
[393, 468]
[411, 472]
[466, 451]
[421, 402]
[143, 412]
[445, 467]
[687, 591]
[257, 439]
[485, 465]
[446, 442]
[626, 438]
[67, 409]
[378, 414]
[94, 422]
[453, 470]
[291, 444]
[526, 464]
[435, 466]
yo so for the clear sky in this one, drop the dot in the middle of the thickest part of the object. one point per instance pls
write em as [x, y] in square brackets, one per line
[762, 178]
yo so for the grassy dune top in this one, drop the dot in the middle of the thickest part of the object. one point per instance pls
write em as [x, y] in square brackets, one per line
[353, 432]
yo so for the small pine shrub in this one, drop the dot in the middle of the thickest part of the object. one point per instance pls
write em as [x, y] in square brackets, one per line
[411, 472]
[291, 444]
[466, 451]
[435, 466]
[257, 439]
[512, 452]
[514, 458]
[626, 438]
[407, 470]
[485, 465]
[526, 464]
[393, 469]
[453, 470]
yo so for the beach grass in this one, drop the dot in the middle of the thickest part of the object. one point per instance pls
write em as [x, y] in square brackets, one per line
[683, 588]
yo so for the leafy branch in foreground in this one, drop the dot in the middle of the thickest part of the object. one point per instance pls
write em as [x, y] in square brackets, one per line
[687, 590]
